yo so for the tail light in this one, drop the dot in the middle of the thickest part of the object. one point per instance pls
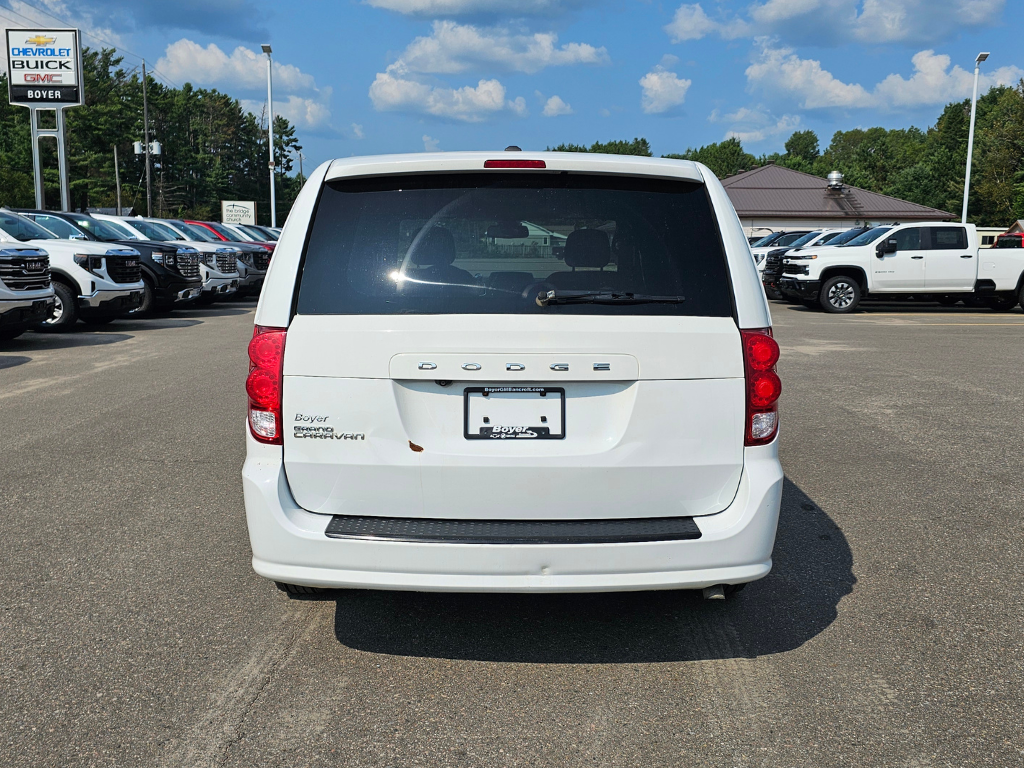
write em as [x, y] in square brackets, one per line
[760, 354]
[266, 371]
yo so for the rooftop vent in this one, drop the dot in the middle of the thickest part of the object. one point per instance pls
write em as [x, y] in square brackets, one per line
[835, 180]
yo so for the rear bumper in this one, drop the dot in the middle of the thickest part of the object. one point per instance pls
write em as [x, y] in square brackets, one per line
[803, 289]
[290, 545]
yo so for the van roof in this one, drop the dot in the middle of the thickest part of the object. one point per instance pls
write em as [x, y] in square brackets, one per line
[460, 162]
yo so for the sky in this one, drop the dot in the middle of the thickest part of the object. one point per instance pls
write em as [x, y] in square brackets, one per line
[363, 77]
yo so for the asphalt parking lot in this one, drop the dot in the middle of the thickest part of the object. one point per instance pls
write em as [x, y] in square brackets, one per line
[133, 631]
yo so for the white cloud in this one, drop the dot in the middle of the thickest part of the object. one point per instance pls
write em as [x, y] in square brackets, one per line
[865, 21]
[555, 107]
[296, 95]
[357, 131]
[390, 92]
[453, 48]
[755, 124]
[780, 73]
[187, 60]
[692, 23]
[518, 106]
[662, 90]
[933, 82]
[430, 144]
[506, 8]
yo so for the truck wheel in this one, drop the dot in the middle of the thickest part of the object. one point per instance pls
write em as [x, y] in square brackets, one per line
[1001, 303]
[146, 307]
[298, 589]
[839, 295]
[65, 310]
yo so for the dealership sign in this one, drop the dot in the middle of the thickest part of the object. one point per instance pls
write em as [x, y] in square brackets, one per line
[237, 212]
[44, 67]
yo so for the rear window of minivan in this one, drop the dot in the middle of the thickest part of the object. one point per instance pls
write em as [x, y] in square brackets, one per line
[485, 243]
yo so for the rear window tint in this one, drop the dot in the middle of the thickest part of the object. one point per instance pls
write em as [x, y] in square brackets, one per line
[491, 243]
[1010, 241]
[948, 238]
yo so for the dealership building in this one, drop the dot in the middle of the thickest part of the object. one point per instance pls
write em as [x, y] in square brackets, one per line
[772, 199]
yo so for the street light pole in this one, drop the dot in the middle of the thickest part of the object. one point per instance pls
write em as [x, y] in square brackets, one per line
[970, 135]
[270, 131]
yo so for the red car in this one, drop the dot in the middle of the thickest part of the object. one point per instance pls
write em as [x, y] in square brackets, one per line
[222, 232]
[1010, 240]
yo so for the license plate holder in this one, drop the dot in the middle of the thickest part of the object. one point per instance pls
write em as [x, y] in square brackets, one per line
[514, 413]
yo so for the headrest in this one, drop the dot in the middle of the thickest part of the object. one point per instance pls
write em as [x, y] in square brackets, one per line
[435, 249]
[587, 248]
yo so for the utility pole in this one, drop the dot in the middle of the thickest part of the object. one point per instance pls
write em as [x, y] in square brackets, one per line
[145, 140]
[117, 181]
[301, 174]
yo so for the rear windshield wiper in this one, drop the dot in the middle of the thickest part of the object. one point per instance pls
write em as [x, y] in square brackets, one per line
[548, 298]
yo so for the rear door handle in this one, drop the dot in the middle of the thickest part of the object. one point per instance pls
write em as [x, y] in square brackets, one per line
[917, 257]
[967, 256]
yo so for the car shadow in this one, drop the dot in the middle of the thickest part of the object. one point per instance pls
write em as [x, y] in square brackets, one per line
[154, 322]
[39, 342]
[813, 571]
[213, 311]
[11, 361]
[868, 306]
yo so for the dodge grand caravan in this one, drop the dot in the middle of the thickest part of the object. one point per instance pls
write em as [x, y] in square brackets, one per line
[512, 371]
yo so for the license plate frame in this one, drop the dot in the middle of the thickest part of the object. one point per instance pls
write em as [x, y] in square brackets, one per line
[475, 396]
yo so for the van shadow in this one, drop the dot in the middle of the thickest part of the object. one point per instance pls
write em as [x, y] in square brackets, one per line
[868, 306]
[813, 571]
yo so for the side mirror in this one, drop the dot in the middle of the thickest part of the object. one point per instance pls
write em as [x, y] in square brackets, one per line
[886, 246]
[78, 237]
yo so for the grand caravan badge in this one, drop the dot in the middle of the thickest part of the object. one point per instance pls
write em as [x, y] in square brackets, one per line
[325, 433]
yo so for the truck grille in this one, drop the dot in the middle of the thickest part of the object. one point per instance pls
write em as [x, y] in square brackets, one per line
[772, 267]
[261, 261]
[25, 273]
[188, 264]
[795, 269]
[226, 262]
[124, 269]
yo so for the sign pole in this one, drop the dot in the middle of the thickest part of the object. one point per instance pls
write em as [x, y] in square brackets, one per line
[117, 181]
[44, 72]
[62, 163]
[37, 169]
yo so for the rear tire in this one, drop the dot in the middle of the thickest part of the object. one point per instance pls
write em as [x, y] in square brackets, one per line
[840, 295]
[1002, 303]
[65, 310]
[298, 589]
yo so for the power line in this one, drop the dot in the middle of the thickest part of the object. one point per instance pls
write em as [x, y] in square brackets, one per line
[120, 48]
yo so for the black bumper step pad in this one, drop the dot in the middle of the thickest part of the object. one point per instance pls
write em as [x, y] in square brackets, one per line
[512, 531]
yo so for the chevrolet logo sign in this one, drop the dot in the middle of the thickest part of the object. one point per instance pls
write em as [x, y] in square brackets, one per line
[40, 40]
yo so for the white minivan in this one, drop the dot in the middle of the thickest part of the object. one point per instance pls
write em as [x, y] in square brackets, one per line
[439, 400]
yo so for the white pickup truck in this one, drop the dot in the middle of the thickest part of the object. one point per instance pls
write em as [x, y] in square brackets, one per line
[923, 261]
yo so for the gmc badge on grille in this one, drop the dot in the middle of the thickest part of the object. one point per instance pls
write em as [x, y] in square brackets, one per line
[131, 263]
[33, 266]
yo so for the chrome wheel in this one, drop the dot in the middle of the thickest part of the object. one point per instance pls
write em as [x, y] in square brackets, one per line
[840, 295]
[58, 312]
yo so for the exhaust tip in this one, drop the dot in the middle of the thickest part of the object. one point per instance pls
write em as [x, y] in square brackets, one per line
[716, 592]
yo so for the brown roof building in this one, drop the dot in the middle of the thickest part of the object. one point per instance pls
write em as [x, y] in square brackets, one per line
[773, 198]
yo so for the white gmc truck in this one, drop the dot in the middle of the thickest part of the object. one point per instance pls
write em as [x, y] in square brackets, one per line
[921, 261]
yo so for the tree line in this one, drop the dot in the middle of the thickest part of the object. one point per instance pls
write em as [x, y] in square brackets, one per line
[921, 166]
[212, 149]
